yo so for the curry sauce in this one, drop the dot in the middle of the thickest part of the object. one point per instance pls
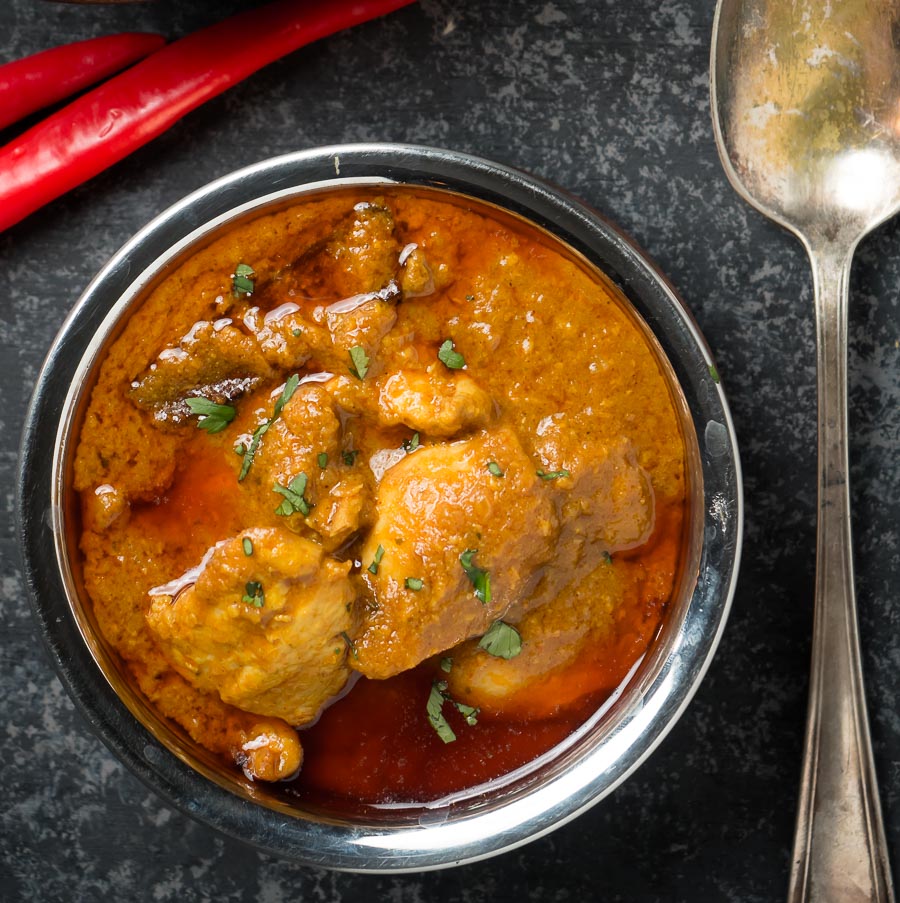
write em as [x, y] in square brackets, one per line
[382, 494]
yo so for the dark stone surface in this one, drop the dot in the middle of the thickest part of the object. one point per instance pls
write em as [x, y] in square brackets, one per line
[608, 99]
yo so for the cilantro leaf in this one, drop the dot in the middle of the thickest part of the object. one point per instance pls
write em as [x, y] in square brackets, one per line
[322, 460]
[360, 362]
[287, 393]
[379, 554]
[479, 577]
[293, 497]
[553, 474]
[501, 640]
[494, 469]
[213, 417]
[254, 594]
[247, 544]
[451, 358]
[249, 454]
[349, 457]
[469, 712]
[435, 715]
[446, 664]
[241, 283]
[413, 583]
[410, 445]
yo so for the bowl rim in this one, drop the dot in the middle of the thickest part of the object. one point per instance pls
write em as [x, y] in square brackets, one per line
[447, 840]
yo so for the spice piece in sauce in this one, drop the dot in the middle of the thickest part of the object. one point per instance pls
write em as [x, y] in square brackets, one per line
[247, 546]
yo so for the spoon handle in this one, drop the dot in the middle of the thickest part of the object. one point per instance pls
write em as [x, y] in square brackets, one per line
[840, 852]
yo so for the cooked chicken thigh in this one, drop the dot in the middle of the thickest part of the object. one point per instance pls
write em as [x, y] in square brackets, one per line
[433, 508]
[262, 626]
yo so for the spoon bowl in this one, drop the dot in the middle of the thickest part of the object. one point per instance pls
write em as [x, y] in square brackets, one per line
[805, 98]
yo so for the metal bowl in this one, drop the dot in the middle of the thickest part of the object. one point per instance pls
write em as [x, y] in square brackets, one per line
[487, 819]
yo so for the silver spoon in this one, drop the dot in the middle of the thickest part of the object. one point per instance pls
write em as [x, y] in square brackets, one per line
[806, 110]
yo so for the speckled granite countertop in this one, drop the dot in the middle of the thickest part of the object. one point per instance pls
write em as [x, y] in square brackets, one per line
[608, 99]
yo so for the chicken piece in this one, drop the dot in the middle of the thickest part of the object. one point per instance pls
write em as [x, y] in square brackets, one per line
[432, 507]
[434, 403]
[325, 335]
[363, 255]
[341, 513]
[339, 500]
[607, 506]
[428, 401]
[262, 630]
[214, 360]
[553, 636]
[416, 278]
[608, 503]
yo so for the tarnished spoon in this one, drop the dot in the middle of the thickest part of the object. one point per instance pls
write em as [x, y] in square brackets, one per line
[806, 110]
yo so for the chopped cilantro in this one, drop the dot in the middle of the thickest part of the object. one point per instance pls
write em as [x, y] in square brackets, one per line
[446, 664]
[296, 332]
[241, 283]
[323, 460]
[480, 578]
[240, 449]
[249, 454]
[293, 497]
[349, 457]
[413, 583]
[451, 358]
[290, 386]
[605, 557]
[359, 361]
[410, 445]
[501, 640]
[494, 468]
[213, 417]
[248, 546]
[435, 715]
[553, 474]
[714, 373]
[469, 712]
[379, 554]
[254, 595]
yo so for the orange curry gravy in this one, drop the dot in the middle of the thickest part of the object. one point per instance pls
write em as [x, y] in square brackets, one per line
[483, 408]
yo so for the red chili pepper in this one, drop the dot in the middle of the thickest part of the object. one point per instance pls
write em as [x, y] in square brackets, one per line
[108, 123]
[52, 75]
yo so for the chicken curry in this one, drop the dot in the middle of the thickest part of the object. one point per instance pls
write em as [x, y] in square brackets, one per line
[382, 493]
